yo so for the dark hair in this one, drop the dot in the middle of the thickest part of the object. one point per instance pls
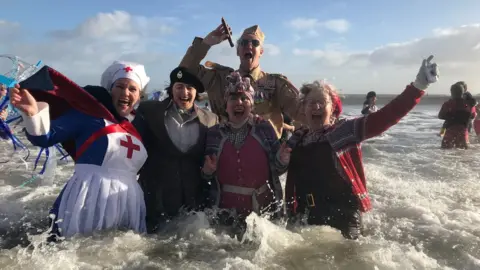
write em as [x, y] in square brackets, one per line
[457, 90]
[462, 83]
[169, 90]
[371, 94]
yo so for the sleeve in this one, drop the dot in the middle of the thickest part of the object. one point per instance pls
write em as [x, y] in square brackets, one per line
[141, 126]
[194, 55]
[214, 80]
[274, 145]
[211, 148]
[443, 113]
[41, 132]
[288, 100]
[378, 122]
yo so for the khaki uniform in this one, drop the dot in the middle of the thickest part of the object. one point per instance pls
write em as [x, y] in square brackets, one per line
[274, 94]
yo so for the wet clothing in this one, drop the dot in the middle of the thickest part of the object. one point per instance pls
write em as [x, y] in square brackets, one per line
[326, 180]
[457, 114]
[470, 101]
[175, 143]
[248, 168]
[103, 193]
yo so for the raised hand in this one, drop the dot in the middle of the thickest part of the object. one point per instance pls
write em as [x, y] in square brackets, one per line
[3, 114]
[23, 100]
[217, 36]
[210, 165]
[427, 74]
[284, 153]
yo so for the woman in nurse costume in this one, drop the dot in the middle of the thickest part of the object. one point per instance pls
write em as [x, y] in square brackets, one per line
[91, 124]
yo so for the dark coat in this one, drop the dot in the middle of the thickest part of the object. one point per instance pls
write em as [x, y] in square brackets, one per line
[170, 179]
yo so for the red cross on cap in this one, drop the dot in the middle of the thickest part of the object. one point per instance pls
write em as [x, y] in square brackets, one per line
[127, 69]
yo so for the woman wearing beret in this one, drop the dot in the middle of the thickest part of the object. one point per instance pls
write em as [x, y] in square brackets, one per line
[174, 133]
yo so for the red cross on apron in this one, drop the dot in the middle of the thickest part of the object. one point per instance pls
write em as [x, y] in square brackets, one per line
[130, 146]
[124, 126]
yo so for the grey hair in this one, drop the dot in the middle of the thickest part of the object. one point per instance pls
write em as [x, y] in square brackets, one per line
[318, 86]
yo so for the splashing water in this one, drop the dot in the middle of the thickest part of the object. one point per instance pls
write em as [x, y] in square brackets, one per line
[426, 214]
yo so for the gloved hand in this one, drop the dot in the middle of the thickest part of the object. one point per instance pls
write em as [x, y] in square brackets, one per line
[427, 74]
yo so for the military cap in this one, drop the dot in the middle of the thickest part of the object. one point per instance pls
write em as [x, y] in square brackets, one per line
[181, 74]
[256, 31]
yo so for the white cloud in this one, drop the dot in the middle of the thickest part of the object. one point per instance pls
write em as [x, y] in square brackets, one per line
[455, 50]
[311, 26]
[84, 51]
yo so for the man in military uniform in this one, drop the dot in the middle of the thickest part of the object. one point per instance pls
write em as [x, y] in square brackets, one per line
[274, 94]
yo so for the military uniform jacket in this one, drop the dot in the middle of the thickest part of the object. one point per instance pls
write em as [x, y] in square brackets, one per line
[274, 94]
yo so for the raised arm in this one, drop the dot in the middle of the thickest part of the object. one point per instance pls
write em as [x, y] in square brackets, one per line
[378, 122]
[42, 132]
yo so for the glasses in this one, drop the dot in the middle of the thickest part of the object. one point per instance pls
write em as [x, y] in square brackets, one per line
[320, 103]
[245, 42]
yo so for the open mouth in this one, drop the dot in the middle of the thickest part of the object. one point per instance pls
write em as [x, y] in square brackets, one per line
[124, 103]
[239, 111]
[184, 99]
[248, 56]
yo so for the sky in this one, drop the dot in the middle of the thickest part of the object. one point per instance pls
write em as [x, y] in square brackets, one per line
[356, 45]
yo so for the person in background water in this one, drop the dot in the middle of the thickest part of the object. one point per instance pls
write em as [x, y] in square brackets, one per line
[207, 107]
[369, 106]
[476, 123]
[244, 158]
[274, 94]
[174, 133]
[471, 101]
[91, 123]
[456, 112]
[326, 182]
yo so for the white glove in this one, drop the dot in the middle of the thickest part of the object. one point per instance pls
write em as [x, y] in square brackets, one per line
[427, 74]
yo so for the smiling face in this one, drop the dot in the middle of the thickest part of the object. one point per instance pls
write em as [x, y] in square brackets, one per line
[318, 108]
[239, 107]
[125, 95]
[184, 95]
[249, 50]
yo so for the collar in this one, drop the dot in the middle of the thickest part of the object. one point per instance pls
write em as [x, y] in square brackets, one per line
[193, 110]
[256, 73]
[227, 126]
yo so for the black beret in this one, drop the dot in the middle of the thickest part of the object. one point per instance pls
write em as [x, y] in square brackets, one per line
[181, 74]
